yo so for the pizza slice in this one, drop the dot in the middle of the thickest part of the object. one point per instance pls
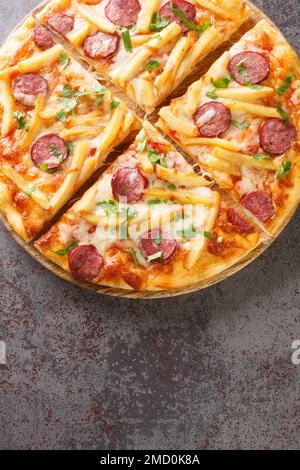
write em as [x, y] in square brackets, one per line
[150, 223]
[241, 123]
[146, 47]
[57, 126]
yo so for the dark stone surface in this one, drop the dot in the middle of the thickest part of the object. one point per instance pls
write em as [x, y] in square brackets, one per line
[207, 370]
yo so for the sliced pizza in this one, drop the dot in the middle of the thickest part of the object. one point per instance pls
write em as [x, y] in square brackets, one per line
[57, 125]
[146, 47]
[149, 223]
[241, 123]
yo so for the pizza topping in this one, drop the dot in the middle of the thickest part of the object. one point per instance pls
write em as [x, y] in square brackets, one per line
[158, 23]
[249, 67]
[22, 123]
[221, 83]
[239, 223]
[276, 136]
[122, 12]
[28, 86]
[42, 37]
[212, 119]
[64, 251]
[180, 11]
[50, 150]
[100, 45]
[284, 170]
[286, 84]
[156, 245]
[63, 60]
[260, 204]
[125, 35]
[61, 23]
[128, 183]
[85, 262]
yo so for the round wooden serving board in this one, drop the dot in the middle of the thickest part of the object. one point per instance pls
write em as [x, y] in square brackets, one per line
[256, 16]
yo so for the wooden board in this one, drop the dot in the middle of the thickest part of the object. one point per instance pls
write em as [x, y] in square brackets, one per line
[256, 16]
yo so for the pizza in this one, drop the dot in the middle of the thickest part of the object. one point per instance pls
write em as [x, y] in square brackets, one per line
[241, 123]
[58, 124]
[145, 47]
[150, 223]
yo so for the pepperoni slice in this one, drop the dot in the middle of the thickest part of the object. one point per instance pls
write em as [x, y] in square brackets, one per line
[128, 183]
[122, 12]
[188, 9]
[241, 224]
[254, 66]
[85, 262]
[100, 45]
[260, 204]
[276, 136]
[50, 149]
[212, 119]
[42, 37]
[26, 88]
[61, 23]
[156, 241]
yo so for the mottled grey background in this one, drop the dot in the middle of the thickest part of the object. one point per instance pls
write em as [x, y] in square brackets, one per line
[207, 370]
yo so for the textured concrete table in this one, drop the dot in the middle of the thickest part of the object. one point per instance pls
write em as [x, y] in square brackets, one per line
[208, 370]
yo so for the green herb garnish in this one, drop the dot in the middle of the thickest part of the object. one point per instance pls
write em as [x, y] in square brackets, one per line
[241, 125]
[254, 86]
[209, 235]
[158, 23]
[242, 69]
[199, 29]
[155, 201]
[212, 94]
[284, 169]
[114, 104]
[155, 158]
[63, 59]
[222, 83]
[125, 35]
[31, 190]
[152, 65]
[286, 84]
[70, 148]
[66, 250]
[142, 146]
[282, 113]
[171, 187]
[260, 156]
[110, 207]
[61, 116]
[22, 124]
[134, 257]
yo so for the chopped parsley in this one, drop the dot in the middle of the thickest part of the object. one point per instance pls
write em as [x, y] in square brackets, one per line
[125, 35]
[56, 152]
[70, 148]
[212, 94]
[171, 187]
[199, 29]
[222, 83]
[134, 256]
[241, 125]
[61, 116]
[242, 69]
[43, 166]
[63, 60]
[282, 113]
[155, 158]
[158, 23]
[110, 207]
[152, 65]
[209, 235]
[114, 104]
[22, 124]
[158, 240]
[260, 156]
[284, 169]
[254, 86]
[142, 146]
[66, 250]
[286, 84]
